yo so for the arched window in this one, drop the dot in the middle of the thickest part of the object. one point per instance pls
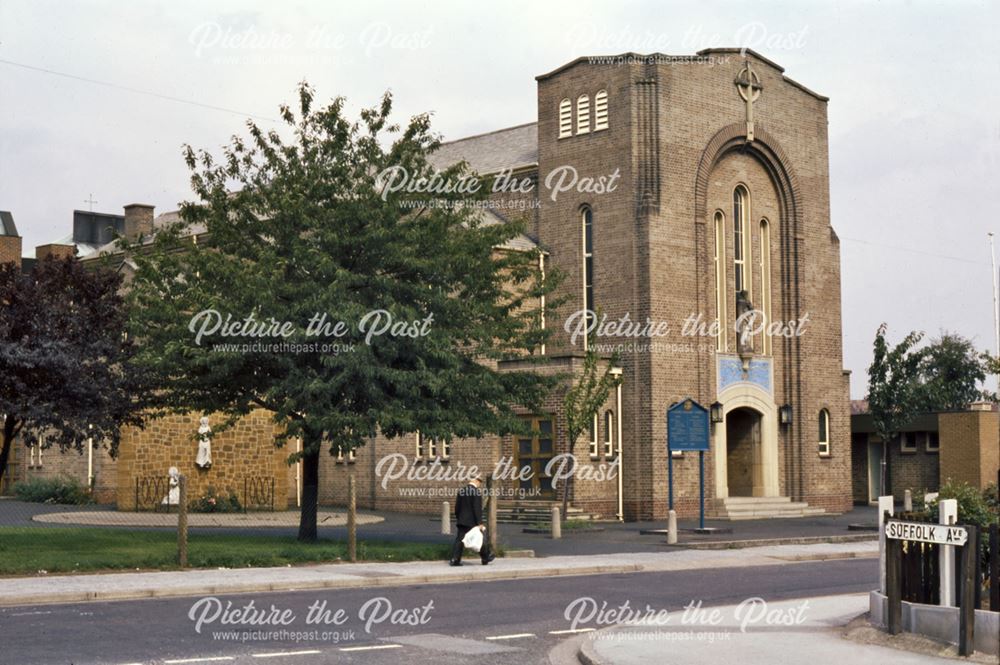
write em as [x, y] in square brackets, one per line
[565, 118]
[582, 114]
[720, 279]
[765, 280]
[741, 239]
[601, 110]
[824, 433]
[609, 434]
[587, 221]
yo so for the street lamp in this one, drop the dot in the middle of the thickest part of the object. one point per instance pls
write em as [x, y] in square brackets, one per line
[715, 412]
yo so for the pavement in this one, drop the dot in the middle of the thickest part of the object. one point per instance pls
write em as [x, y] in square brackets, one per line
[252, 520]
[613, 538]
[47, 589]
[753, 632]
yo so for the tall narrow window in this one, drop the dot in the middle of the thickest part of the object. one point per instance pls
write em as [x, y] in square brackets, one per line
[824, 433]
[765, 280]
[587, 220]
[609, 434]
[565, 118]
[593, 437]
[582, 114]
[601, 110]
[720, 279]
[741, 201]
[421, 449]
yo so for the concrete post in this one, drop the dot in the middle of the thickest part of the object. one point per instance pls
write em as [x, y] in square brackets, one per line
[182, 522]
[885, 504]
[352, 520]
[556, 523]
[907, 501]
[672, 527]
[947, 514]
[445, 519]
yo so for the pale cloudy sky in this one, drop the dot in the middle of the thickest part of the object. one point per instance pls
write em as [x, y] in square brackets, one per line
[914, 122]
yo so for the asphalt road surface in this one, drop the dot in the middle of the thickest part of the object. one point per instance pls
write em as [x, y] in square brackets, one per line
[504, 622]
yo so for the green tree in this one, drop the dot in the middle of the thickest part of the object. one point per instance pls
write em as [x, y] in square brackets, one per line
[893, 389]
[64, 358]
[951, 371]
[581, 404]
[312, 226]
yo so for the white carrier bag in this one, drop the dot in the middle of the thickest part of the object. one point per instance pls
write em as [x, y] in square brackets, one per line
[474, 539]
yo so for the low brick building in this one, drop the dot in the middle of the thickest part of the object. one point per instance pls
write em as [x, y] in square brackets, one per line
[961, 446]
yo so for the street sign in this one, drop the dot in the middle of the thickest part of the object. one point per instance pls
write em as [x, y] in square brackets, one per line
[687, 426]
[923, 532]
[687, 430]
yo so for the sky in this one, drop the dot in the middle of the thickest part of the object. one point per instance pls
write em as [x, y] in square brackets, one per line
[97, 99]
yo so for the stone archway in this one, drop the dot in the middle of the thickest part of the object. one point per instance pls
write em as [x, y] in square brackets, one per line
[751, 417]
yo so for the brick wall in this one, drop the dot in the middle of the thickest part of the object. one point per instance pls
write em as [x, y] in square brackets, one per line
[10, 249]
[245, 451]
[970, 448]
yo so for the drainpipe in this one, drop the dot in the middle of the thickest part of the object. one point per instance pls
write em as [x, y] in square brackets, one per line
[298, 473]
[617, 373]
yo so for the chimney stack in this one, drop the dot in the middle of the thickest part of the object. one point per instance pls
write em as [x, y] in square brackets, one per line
[55, 250]
[138, 221]
[10, 241]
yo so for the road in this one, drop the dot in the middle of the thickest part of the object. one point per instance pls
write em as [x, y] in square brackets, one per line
[503, 622]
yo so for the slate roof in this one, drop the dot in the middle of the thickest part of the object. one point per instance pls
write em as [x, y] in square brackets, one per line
[511, 148]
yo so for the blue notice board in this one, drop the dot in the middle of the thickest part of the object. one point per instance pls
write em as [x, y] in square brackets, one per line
[687, 426]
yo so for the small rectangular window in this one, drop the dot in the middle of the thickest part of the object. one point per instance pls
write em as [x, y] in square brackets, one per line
[609, 436]
[420, 452]
[933, 442]
[908, 442]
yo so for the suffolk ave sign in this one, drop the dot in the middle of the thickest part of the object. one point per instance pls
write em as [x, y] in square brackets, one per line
[923, 532]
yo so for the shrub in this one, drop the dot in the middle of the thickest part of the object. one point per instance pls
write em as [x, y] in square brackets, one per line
[58, 489]
[216, 502]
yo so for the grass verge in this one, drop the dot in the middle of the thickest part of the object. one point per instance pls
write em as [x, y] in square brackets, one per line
[28, 550]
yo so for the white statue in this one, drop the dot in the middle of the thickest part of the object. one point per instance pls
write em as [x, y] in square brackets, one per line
[173, 497]
[204, 458]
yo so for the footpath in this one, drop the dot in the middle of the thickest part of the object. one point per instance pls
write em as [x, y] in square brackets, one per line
[48, 589]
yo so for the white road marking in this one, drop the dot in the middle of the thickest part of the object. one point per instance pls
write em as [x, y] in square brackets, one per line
[210, 659]
[28, 614]
[275, 654]
[515, 636]
[373, 648]
[570, 632]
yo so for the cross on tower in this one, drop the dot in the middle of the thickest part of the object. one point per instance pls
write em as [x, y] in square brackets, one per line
[91, 201]
[749, 87]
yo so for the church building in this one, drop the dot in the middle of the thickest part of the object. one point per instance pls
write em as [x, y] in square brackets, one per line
[677, 191]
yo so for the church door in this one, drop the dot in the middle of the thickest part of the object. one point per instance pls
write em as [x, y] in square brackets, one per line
[743, 453]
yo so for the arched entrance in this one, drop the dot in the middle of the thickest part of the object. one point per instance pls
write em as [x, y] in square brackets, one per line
[745, 444]
[743, 453]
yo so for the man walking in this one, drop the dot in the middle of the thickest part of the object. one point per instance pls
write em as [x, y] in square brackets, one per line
[468, 516]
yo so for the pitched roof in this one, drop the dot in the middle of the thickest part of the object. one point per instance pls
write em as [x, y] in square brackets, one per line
[7, 227]
[510, 148]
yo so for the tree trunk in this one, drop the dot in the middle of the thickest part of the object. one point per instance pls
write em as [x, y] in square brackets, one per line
[566, 483]
[8, 442]
[310, 489]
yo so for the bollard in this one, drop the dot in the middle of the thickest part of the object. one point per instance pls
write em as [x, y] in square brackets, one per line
[556, 524]
[907, 501]
[672, 527]
[182, 522]
[445, 519]
[885, 506]
[947, 514]
[352, 520]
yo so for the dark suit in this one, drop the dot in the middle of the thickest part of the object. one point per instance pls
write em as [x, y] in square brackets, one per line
[468, 516]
